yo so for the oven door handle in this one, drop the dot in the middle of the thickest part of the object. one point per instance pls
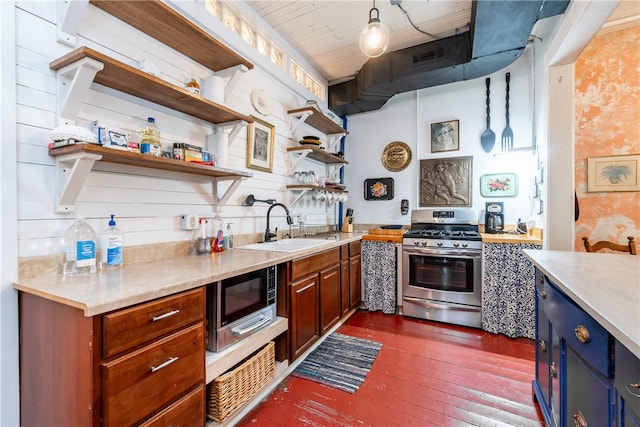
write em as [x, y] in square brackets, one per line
[442, 253]
[243, 329]
[440, 306]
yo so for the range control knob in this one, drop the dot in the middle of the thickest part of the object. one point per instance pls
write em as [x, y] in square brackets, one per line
[425, 243]
[439, 244]
[465, 244]
[416, 242]
[456, 244]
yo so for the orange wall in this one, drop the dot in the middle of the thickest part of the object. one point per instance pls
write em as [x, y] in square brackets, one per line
[607, 108]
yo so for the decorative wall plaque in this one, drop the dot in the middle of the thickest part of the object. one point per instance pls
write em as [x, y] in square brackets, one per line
[446, 182]
[396, 156]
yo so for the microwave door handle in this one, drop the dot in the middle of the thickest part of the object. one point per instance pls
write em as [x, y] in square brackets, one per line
[240, 330]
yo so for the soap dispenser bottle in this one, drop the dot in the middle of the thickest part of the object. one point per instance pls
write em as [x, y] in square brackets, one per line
[111, 246]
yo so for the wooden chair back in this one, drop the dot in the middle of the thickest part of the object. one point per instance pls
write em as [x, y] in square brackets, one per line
[629, 248]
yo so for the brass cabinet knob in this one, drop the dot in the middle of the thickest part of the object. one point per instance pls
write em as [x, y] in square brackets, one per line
[579, 419]
[542, 345]
[543, 294]
[582, 334]
[553, 370]
[634, 389]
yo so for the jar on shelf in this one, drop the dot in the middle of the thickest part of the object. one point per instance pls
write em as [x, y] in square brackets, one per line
[193, 86]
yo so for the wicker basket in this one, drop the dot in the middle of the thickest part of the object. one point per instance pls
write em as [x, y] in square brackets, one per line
[233, 388]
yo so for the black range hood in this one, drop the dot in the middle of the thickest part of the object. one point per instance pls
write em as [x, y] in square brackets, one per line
[498, 35]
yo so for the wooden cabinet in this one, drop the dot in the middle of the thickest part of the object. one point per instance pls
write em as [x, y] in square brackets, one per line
[330, 308]
[355, 275]
[582, 378]
[345, 303]
[320, 294]
[76, 370]
[303, 318]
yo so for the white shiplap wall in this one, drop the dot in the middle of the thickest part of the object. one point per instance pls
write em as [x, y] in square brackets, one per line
[146, 203]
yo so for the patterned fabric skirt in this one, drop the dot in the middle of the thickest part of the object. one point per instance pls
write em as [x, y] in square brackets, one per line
[379, 276]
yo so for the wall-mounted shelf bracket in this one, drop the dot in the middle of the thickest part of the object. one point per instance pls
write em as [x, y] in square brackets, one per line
[232, 75]
[299, 196]
[301, 119]
[74, 81]
[72, 171]
[69, 14]
[220, 200]
[236, 127]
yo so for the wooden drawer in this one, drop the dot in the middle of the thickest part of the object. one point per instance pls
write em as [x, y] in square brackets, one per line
[314, 263]
[186, 412]
[137, 325]
[138, 384]
[568, 319]
[354, 248]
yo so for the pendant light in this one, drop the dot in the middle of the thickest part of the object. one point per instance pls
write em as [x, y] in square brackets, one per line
[374, 38]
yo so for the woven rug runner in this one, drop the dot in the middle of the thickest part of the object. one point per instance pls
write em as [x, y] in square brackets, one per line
[340, 361]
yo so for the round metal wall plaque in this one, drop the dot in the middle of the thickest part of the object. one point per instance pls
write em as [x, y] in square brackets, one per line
[396, 156]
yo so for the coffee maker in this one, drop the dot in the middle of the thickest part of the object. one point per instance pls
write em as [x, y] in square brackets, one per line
[493, 218]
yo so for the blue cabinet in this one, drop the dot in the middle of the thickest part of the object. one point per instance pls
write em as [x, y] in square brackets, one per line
[627, 387]
[574, 382]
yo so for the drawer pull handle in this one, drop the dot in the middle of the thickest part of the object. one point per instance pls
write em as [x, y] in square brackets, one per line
[164, 365]
[580, 420]
[542, 345]
[552, 370]
[164, 316]
[582, 334]
[631, 387]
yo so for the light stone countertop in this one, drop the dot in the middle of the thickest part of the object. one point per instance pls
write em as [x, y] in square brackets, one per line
[136, 283]
[607, 286]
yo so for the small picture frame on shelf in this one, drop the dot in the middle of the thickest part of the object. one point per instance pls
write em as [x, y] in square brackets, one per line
[260, 143]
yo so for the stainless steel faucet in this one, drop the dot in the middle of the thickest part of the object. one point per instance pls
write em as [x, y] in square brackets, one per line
[268, 235]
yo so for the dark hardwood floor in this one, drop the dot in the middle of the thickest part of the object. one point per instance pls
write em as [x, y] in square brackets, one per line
[426, 374]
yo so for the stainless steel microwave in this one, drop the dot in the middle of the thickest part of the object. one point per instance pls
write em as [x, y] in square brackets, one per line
[240, 306]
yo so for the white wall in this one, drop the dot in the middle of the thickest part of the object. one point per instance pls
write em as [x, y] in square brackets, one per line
[407, 117]
[9, 389]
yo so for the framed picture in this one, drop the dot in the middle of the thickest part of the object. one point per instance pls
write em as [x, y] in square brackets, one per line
[613, 173]
[446, 182]
[445, 136]
[378, 189]
[260, 142]
[499, 185]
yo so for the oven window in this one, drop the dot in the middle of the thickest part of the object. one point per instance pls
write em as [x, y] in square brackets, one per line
[242, 297]
[441, 273]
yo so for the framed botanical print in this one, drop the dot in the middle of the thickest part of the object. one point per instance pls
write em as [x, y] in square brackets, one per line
[445, 136]
[260, 143]
[613, 173]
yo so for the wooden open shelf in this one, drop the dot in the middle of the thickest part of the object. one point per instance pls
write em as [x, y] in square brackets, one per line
[318, 155]
[318, 120]
[125, 78]
[112, 155]
[156, 19]
[314, 187]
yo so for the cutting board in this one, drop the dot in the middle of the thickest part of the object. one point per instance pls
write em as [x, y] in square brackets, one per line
[382, 235]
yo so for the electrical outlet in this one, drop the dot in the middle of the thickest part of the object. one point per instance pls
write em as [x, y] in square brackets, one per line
[188, 222]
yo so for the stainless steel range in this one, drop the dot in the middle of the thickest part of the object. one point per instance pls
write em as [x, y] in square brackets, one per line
[442, 273]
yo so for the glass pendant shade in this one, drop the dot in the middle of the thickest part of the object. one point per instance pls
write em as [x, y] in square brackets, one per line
[374, 38]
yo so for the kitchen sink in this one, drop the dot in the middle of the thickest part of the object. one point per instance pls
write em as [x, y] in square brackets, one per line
[286, 245]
